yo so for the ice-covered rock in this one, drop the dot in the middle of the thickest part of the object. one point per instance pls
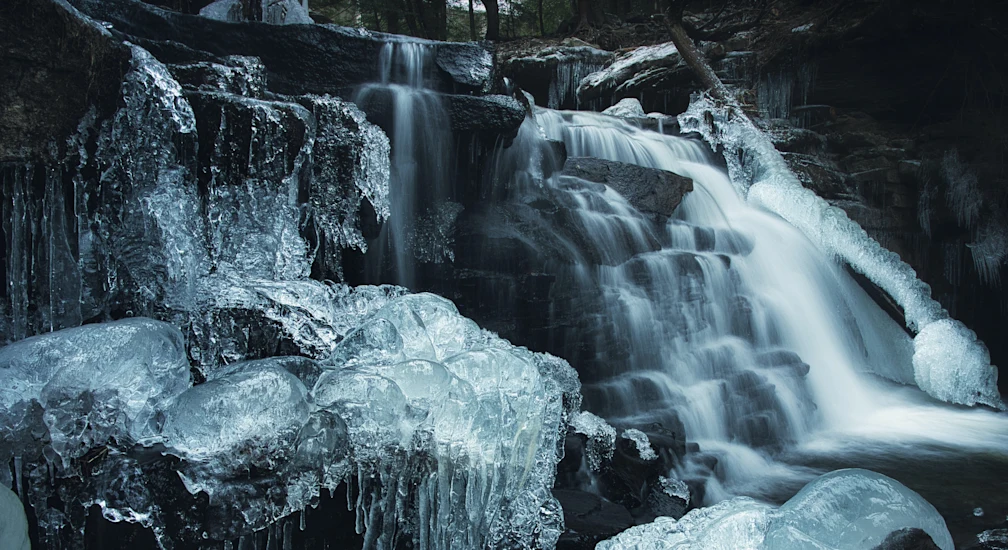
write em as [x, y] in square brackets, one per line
[852, 509]
[256, 417]
[95, 381]
[843, 510]
[601, 438]
[627, 107]
[760, 174]
[625, 67]
[640, 440]
[416, 377]
[13, 522]
[275, 12]
[736, 524]
[993, 539]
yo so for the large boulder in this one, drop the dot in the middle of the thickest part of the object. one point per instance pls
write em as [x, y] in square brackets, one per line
[647, 189]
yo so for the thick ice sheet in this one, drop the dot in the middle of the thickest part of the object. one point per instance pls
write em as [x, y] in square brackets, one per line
[849, 509]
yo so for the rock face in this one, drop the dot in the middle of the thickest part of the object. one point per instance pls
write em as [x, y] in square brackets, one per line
[648, 190]
[48, 86]
[299, 59]
[552, 74]
[488, 116]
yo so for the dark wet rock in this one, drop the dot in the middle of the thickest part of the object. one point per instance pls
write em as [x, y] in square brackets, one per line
[589, 519]
[669, 497]
[494, 114]
[49, 84]
[647, 189]
[468, 65]
[552, 74]
[235, 74]
[910, 538]
[994, 539]
[299, 59]
[490, 115]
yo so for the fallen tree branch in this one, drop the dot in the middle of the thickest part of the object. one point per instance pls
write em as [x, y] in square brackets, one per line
[695, 60]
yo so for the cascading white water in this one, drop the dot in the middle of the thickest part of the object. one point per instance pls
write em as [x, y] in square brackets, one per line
[421, 135]
[720, 316]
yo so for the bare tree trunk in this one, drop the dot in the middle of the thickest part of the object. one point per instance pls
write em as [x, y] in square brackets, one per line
[493, 19]
[583, 8]
[692, 56]
[542, 26]
[472, 21]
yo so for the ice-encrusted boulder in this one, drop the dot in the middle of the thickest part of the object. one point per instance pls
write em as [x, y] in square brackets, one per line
[607, 80]
[601, 438]
[441, 431]
[847, 509]
[641, 442]
[850, 509]
[628, 107]
[736, 524]
[418, 380]
[94, 382]
[424, 407]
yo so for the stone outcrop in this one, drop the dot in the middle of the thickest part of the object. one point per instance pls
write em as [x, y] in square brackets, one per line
[299, 59]
[648, 190]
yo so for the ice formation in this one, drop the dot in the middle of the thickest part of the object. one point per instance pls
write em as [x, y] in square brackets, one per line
[275, 12]
[963, 191]
[278, 185]
[641, 442]
[736, 524]
[626, 107]
[601, 438]
[952, 365]
[626, 66]
[850, 509]
[446, 434]
[760, 174]
[87, 396]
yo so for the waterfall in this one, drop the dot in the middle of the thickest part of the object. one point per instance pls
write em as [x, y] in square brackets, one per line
[726, 318]
[421, 139]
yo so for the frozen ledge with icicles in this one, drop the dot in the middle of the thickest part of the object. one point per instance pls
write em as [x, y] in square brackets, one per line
[442, 433]
[949, 362]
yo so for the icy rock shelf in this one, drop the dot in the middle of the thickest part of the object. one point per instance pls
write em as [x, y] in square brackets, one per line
[443, 433]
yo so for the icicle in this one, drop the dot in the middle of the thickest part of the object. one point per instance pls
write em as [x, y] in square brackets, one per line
[18, 472]
[288, 535]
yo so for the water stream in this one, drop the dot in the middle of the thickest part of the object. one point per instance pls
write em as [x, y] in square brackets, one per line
[721, 309]
[724, 320]
[421, 134]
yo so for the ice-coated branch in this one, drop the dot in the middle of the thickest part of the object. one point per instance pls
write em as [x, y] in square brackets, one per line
[949, 362]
